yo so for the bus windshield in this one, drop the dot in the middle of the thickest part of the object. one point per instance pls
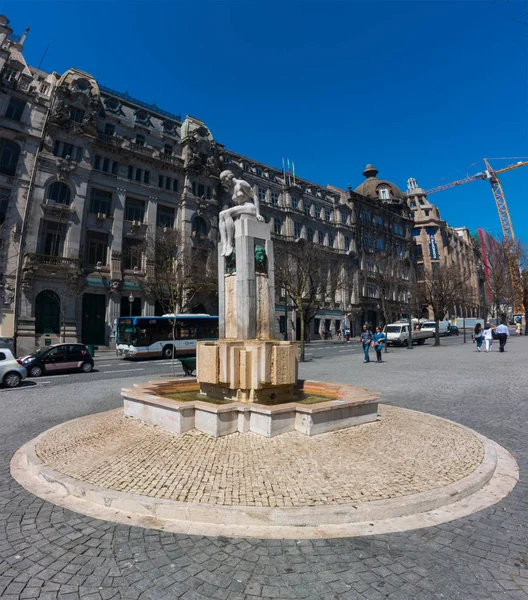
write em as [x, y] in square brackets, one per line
[125, 333]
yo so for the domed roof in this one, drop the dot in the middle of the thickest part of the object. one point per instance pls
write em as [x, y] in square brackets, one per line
[372, 186]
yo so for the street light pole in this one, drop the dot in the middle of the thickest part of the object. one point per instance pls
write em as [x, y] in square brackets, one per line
[130, 302]
[409, 337]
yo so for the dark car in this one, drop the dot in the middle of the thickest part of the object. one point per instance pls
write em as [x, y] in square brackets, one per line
[61, 357]
[452, 329]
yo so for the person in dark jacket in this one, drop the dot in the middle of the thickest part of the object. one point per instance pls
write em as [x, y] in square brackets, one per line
[366, 340]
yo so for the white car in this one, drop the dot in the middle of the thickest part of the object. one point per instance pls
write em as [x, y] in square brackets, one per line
[11, 371]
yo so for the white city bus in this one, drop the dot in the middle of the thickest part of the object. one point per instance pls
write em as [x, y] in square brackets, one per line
[138, 337]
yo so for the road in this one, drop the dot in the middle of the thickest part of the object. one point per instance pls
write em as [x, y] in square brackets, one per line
[47, 552]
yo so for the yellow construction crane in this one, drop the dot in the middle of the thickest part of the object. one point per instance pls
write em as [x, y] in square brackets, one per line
[491, 175]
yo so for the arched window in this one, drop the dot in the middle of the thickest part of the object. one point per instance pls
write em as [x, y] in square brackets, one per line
[9, 153]
[47, 312]
[199, 226]
[60, 193]
[384, 193]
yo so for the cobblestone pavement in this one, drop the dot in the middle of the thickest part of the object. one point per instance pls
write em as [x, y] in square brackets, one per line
[48, 552]
[403, 453]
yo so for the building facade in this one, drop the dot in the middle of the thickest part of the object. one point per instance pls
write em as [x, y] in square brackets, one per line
[438, 243]
[88, 175]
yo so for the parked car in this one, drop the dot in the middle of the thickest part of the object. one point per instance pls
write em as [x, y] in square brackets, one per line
[11, 370]
[397, 334]
[443, 327]
[452, 329]
[61, 357]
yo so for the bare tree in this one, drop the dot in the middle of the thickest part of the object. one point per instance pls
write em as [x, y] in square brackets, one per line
[392, 276]
[443, 287]
[309, 275]
[177, 274]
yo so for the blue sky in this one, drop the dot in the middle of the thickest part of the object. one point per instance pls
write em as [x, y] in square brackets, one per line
[420, 89]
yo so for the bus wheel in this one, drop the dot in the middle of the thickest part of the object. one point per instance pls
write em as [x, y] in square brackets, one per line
[167, 352]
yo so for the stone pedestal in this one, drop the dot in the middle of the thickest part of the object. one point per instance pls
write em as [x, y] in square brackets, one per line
[247, 364]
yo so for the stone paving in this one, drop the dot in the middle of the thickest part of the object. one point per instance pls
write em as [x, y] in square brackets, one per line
[48, 552]
[403, 453]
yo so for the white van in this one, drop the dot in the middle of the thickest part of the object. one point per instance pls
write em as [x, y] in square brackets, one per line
[443, 327]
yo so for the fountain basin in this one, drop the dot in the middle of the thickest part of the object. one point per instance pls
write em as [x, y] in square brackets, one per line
[336, 406]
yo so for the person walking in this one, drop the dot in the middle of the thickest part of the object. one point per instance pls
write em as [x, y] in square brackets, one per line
[477, 336]
[379, 342]
[366, 340]
[503, 333]
[518, 328]
[488, 336]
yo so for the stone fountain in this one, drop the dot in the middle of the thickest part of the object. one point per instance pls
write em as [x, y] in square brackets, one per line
[247, 380]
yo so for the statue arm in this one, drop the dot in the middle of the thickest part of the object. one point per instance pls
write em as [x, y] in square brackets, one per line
[253, 197]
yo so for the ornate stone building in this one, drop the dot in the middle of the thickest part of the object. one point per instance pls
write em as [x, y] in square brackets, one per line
[438, 243]
[88, 174]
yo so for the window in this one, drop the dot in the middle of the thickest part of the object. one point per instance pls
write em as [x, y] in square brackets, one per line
[106, 165]
[297, 228]
[398, 229]
[259, 171]
[367, 241]
[138, 175]
[132, 253]
[59, 192]
[199, 227]
[274, 198]
[100, 202]
[10, 74]
[9, 153]
[160, 181]
[175, 186]
[262, 194]
[146, 177]
[142, 116]
[15, 109]
[134, 210]
[167, 150]
[307, 209]
[310, 234]
[327, 215]
[384, 193]
[418, 252]
[277, 226]
[365, 216]
[165, 217]
[372, 292]
[331, 240]
[167, 183]
[378, 221]
[109, 129]
[245, 166]
[140, 139]
[130, 174]
[369, 263]
[112, 104]
[347, 242]
[343, 218]
[4, 203]
[53, 235]
[96, 247]
[380, 245]
[76, 114]
[47, 312]
[226, 158]
[271, 176]
[416, 231]
[320, 237]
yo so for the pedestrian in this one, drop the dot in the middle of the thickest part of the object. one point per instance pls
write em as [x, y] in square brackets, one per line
[503, 333]
[477, 336]
[366, 340]
[488, 336]
[379, 342]
[347, 335]
[518, 328]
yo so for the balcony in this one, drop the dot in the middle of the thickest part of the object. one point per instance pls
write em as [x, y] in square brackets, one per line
[140, 149]
[170, 159]
[115, 141]
[55, 209]
[33, 261]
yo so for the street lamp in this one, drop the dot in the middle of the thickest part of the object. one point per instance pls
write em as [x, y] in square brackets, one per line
[409, 336]
[130, 302]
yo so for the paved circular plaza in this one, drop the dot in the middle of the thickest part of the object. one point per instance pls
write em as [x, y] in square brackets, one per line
[403, 465]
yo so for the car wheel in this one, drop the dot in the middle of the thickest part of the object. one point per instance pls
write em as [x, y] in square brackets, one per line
[167, 352]
[35, 371]
[12, 380]
[86, 367]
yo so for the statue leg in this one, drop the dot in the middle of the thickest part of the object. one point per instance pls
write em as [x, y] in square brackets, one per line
[222, 227]
[229, 234]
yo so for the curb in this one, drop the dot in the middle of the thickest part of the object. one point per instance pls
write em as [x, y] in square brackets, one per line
[494, 478]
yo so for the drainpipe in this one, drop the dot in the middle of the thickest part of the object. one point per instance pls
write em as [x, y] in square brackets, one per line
[23, 230]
